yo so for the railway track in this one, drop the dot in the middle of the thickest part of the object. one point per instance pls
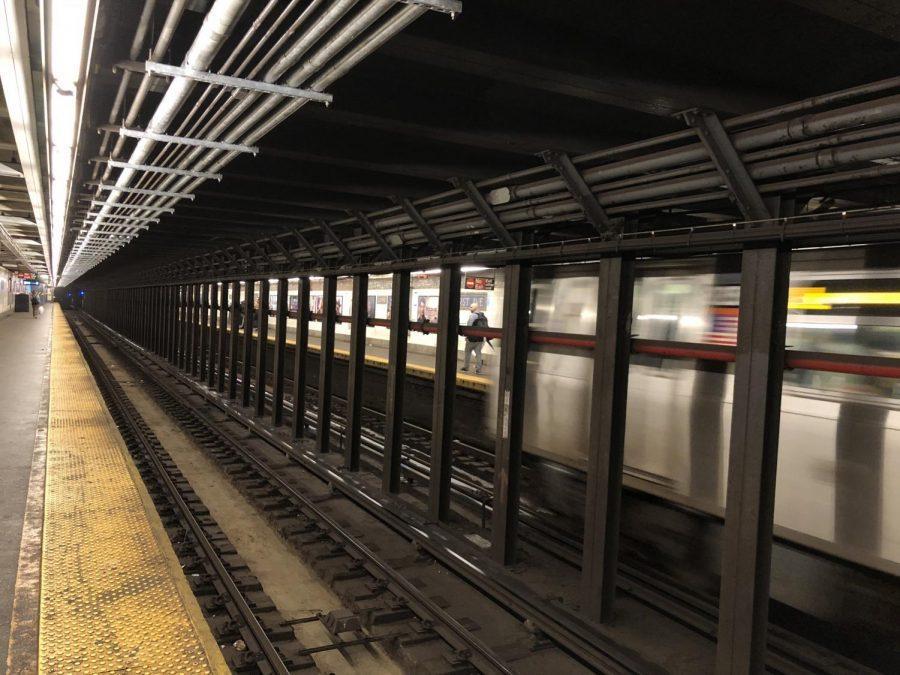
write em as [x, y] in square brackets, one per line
[407, 615]
[472, 481]
[252, 634]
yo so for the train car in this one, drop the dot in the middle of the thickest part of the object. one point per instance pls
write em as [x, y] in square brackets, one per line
[840, 433]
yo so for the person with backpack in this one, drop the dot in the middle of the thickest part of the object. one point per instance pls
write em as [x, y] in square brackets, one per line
[474, 344]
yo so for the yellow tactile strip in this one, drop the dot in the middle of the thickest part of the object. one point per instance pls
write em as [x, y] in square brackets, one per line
[109, 600]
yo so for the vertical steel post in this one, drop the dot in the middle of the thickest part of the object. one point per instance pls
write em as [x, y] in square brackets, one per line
[298, 423]
[326, 363]
[222, 336]
[396, 381]
[262, 347]
[213, 337]
[246, 370]
[444, 394]
[234, 338]
[281, 312]
[752, 463]
[204, 330]
[185, 325]
[196, 331]
[607, 436]
[510, 412]
[175, 328]
[356, 370]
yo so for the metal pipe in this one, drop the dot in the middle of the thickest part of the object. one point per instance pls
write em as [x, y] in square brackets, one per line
[215, 28]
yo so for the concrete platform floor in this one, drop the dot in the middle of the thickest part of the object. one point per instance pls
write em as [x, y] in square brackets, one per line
[24, 362]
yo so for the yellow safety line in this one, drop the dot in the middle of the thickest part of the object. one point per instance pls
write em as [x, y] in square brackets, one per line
[112, 593]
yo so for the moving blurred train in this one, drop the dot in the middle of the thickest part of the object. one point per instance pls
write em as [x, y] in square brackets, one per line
[839, 451]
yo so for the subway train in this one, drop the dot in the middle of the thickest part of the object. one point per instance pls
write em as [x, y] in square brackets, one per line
[837, 496]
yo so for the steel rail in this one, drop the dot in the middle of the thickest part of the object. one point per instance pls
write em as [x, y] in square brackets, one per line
[437, 613]
[107, 384]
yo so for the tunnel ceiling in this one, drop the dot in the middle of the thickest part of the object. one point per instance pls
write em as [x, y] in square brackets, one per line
[481, 96]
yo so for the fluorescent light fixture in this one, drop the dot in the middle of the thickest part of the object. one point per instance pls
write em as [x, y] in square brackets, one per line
[68, 35]
[15, 76]
[473, 268]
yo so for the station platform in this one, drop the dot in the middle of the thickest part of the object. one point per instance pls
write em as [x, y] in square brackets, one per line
[98, 587]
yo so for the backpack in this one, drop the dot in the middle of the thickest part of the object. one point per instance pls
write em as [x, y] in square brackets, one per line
[481, 321]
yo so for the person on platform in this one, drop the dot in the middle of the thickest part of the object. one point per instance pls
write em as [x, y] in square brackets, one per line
[475, 343]
[35, 303]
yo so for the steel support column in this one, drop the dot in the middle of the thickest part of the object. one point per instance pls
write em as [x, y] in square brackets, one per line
[753, 456]
[247, 360]
[222, 337]
[187, 291]
[396, 381]
[510, 412]
[176, 325]
[262, 347]
[213, 337]
[195, 331]
[326, 364]
[298, 423]
[281, 311]
[234, 338]
[204, 330]
[356, 369]
[444, 393]
[607, 437]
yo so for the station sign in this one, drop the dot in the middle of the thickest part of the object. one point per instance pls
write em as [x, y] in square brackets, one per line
[479, 283]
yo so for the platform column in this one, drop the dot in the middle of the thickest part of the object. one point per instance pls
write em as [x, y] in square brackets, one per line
[196, 331]
[184, 325]
[247, 343]
[246, 370]
[298, 423]
[444, 393]
[177, 327]
[262, 347]
[326, 363]
[233, 339]
[752, 463]
[281, 311]
[607, 436]
[356, 370]
[222, 336]
[203, 327]
[166, 344]
[510, 412]
[396, 381]
[213, 336]
[190, 332]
